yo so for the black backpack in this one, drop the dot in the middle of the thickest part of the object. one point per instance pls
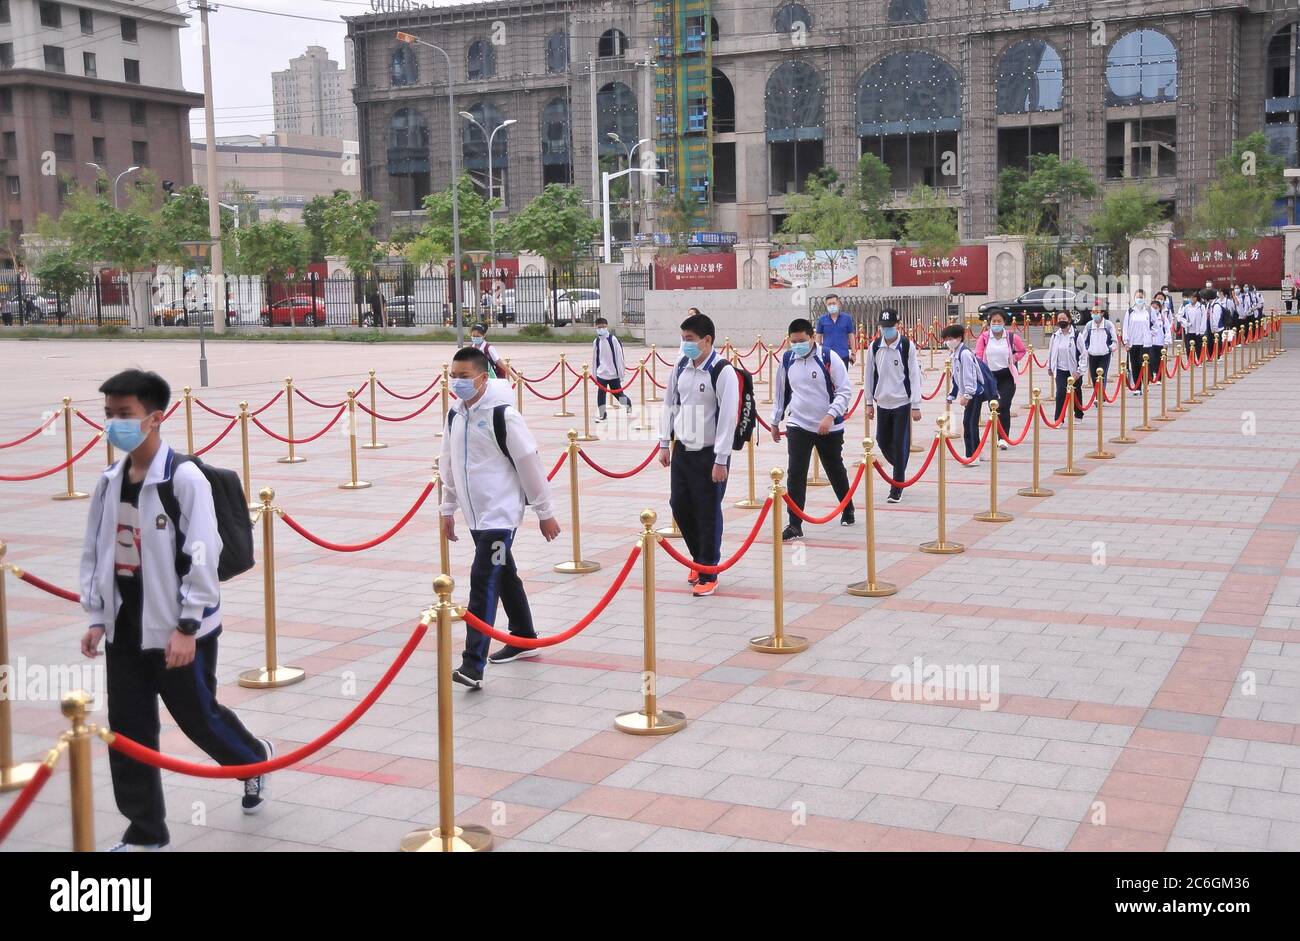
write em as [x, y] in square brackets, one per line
[747, 409]
[233, 522]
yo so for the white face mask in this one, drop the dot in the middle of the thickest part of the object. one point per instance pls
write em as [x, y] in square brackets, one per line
[952, 344]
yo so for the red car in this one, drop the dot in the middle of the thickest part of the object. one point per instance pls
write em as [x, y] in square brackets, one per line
[303, 309]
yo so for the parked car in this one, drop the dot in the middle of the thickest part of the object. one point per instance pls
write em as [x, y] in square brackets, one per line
[580, 305]
[405, 310]
[301, 308]
[38, 307]
[1035, 304]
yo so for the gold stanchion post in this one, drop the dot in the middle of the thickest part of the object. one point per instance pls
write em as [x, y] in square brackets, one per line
[446, 398]
[70, 492]
[947, 405]
[446, 837]
[189, 421]
[576, 565]
[1164, 389]
[771, 376]
[1099, 393]
[374, 444]
[1218, 355]
[1146, 394]
[586, 406]
[778, 641]
[751, 502]
[109, 456]
[650, 719]
[1069, 470]
[1123, 437]
[444, 544]
[354, 483]
[291, 457]
[273, 675]
[75, 706]
[12, 776]
[942, 546]
[1205, 356]
[1035, 400]
[654, 374]
[243, 446]
[871, 587]
[816, 479]
[564, 392]
[993, 514]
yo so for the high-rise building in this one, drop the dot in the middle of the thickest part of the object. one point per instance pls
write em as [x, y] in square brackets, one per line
[96, 83]
[313, 96]
[280, 173]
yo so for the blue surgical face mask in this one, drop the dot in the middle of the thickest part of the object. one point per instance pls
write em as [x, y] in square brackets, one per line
[602, 332]
[477, 341]
[464, 388]
[997, 328]
[1096, 316]
[801, 349]
[832, 308]
[889, 333]
[125, 434]
[690, 349]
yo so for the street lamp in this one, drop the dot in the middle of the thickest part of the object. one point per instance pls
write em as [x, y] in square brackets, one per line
[604, 189]
[200, 252]
[116, 181]
[632, 214]
[455, 181]
[492, 213]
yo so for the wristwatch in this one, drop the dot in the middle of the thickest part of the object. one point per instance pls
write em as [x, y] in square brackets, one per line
[188, 626]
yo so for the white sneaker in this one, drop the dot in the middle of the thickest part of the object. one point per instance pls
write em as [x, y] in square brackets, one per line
[137, 848]
[972, 465]
[1002, 445]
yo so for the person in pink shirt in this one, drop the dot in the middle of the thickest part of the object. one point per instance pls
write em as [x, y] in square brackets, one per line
[1001, 350]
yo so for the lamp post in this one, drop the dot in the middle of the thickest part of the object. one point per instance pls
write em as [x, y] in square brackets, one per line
[632, 213]
[116, 180]
[604, 195]
[491, 180]
[412, 40]
[200, 252]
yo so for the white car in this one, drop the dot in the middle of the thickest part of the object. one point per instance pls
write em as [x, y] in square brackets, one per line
[580, 305]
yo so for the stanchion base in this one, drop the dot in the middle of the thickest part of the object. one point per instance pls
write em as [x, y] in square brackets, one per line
[819, 483]
[1163, 417]
[872, 589]
[1106, 455]
[1035, 492]
[17, 776]
[377, 446]
[1180, 409]
[72, 495]
[668, 533]
[467, 839]
[993, 516]
[1127, 439]
[271, 679]
[942, 548]
[916, 449]
[770, 643]
[296, 459]
[562, 415]
[1069, 472]
[748, 504]
[587, 438]
[655, 398]
[1144, 428]
[663, 722]
[355, 485]
[578, 567]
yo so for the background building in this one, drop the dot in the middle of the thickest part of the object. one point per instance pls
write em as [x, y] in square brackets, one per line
[313, 96]
[280, 172]
[742, 101]
[96, 82]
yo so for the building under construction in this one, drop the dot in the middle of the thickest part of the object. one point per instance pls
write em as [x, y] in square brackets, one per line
[740, 101]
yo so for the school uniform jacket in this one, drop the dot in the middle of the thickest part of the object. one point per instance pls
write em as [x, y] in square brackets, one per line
[697, 415]
[166, 598]
[607, 359]
[1137, 326]
[809, 402]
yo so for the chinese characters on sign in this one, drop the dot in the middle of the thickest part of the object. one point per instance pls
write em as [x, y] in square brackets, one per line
[712, 272]
[967, 268]
[1190, 266]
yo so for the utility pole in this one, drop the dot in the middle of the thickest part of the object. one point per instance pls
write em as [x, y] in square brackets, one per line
[218, 273]
[595, 142]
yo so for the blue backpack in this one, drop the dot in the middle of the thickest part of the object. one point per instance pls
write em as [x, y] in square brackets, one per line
[986, 384]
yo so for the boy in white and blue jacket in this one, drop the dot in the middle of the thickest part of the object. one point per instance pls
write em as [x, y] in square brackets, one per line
[158, 605]
[608, 368]
[965, 390]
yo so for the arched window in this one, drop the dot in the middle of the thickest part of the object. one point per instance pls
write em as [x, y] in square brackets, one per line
[724, 104]
[794, 115]
[404, 69]
[909, 115]
[408, 142]
[617, 113]
[557, 52]
[1282, 94]
[907, 11]
[557, 161]
[1029, 78]
[788, 14]
[1141, 67]
[481, 60]
[475, 152]
[713, 29]
[613, 43]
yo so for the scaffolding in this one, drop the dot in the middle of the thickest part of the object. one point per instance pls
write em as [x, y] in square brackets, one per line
[684, 102]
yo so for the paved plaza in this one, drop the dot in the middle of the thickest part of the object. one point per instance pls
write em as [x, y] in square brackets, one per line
[1142, 626]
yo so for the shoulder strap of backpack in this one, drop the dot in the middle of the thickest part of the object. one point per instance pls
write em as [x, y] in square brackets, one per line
[499, 429]
[172, 506]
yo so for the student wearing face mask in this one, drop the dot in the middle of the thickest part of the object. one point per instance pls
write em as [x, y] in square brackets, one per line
[150, 588]
[608, 368]
[1001, 352]
[965, 390]
[893, 394]
[490, 472]
[1195, 321]
[1065, 358]
[835, 330]
[478, 338]
[1098, 342]
[1220, 317]
[1160, 333]
[1138, 329]
[812, 395]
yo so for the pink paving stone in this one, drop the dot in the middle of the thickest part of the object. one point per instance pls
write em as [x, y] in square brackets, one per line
[1145, 787]
[1162, 740]
[993, 846]
[482, 782]
[1107, 714]
[755, 823]
[692, 813]
[900, 840]
[705, 689]
[617, 802]
[617, 745]
[824, 833]
[415, 772]
[1149, 816]
[1209, 705]
[827, 617]
[577, 766]
[1158, 763]
[351, 759]
[1111, 839]
[1197, 685]
[518, 817]
[842, 686]
[1257, 730]
[1037, 706]
[753, 660]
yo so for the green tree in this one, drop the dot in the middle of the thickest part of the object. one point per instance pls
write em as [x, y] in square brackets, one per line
[475, 234]
[1126, 212]
[930, 227]
[272, 248]
[349, 227]
[61, 270]
[823, 219]
[875, 190]
[184, 218]
[1038, 201]
[676, 218]
[555, 224]
[313, 220]
[1238, 207]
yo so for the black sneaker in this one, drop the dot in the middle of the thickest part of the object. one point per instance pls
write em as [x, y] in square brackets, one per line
[895, 494]
[511, 652]
[790, 533]
[464, 679]
[848, 519]
[255, 788]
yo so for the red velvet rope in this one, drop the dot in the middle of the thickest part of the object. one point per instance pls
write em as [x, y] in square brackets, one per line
[722, 566]
[278, 437]
[88, 420]
[564, 456]
[408, 398]
[539, 378]
[171, 411]
[533, 643]
[54, 470]
[555, 398]
[360, 546]
[393, 418]
[148, 756]
[840, 508]
[305, 397]
[854, 407]
[627, 383]
[1059, 422]
[49, 421]
[24, 799]
[1092, 401]
[988, 426]
[257, 411]
[620, 475]
[904, 484]
[45, 586]
[217, 440]
[937, 387]
[569, 367]
[212, 411]
[1016, 442]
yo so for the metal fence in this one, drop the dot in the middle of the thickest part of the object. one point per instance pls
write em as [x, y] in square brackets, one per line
[633, 283]
[1045, 260]
[914, 311]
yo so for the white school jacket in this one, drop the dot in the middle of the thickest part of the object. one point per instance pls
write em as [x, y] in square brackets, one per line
[1137, 326]
[607, 359]
[166, 597]
[477, 477]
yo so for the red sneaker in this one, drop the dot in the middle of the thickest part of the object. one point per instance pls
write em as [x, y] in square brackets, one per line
[693, 578]
[704, 588]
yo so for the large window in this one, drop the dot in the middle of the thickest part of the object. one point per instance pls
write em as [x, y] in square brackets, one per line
[87, 18]
[907, 11]
[138, 113]
[54, 59]
[1141, 68]
[557, 52]
[408, 158]
[60, 102]
[557, 158]
[63, 148]
[617, 114]
[909, 115]
[130, 32]
[88, 65]
[51, 15]
[4, 11]
[481, 60]
[790, 14]
[724, 104]
[131, 70]
[475, 151]
[6, 55]
[612, 45]
[403, 69]
[1029, 78]
[1282, 94]
[140, 153]
[794, 119]
[1141, 148]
